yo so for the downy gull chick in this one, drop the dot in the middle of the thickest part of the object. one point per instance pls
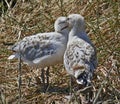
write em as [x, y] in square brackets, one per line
[43, 49]
[80, 56]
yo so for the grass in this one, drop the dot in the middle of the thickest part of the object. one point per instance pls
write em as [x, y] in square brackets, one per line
[30, 17]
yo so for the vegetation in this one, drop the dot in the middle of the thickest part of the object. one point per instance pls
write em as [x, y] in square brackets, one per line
[29, 17]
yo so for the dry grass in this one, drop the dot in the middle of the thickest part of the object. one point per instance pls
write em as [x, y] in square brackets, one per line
[33, 16]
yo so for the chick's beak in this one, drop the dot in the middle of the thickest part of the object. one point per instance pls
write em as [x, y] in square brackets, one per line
[64, 27]
[67, 24]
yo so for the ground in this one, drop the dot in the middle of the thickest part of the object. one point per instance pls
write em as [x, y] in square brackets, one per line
[29, 17]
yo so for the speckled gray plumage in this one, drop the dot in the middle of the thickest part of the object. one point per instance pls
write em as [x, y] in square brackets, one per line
[43, 49]
[80, 56]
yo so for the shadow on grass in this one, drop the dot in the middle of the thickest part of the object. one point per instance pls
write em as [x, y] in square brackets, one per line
[53, 89]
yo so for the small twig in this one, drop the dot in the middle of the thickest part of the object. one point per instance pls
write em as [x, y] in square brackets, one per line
[8, 5]
[7, 43]
[19, 79]
[19, 35]
[19, 75]
[99, 91]
[2, 97]
[70, 84]
[47, 78]
[84, 90]
[76, 98]
[43, 78]
[101, 87]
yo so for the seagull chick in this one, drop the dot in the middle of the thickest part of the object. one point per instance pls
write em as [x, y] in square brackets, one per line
[43, 49]
[80, 56]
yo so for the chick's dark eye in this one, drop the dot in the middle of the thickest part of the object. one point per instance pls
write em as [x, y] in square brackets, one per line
[68, 19]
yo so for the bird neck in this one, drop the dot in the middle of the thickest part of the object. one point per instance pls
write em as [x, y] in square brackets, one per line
[79, 32]
[64, 33]
[76, 31]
